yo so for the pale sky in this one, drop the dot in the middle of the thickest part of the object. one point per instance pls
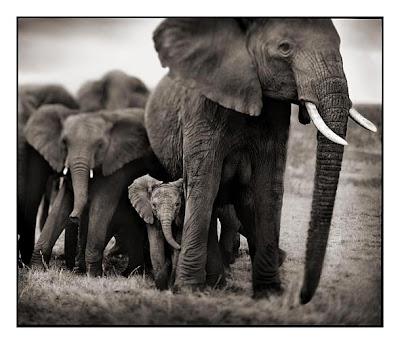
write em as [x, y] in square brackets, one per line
[72, 51]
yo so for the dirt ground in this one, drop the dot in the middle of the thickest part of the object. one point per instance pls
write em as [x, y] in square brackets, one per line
[349, 292]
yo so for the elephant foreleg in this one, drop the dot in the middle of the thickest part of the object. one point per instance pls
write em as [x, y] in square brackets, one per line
[56, 222]
[33, 172]
[104, 202]
[202, 187]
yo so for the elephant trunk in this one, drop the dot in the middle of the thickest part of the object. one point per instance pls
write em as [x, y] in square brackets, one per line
[166, 225]
[333, 106]
[80, 184]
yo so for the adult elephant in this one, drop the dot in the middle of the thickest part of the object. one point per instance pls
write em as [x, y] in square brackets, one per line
[101, 152]
[221, 118]
[115, 90]
[33, 170]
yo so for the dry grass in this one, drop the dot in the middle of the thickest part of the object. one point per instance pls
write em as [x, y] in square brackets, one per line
[350, 288]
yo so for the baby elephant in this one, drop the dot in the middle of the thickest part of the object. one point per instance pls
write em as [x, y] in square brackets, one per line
[161, 207]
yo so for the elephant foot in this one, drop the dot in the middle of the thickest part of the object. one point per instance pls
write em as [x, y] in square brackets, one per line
[228, 258]
[95, 271]
[267, 290]
[40, 260]
[187, 288]
[282, 256]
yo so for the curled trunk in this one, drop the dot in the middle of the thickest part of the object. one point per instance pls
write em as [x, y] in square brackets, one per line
[333, 108]
[166, 224]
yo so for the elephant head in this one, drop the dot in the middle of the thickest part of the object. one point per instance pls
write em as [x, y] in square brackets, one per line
[159, 204]
[102, 141]
[115, 90]
[238, 62]
[31, 97]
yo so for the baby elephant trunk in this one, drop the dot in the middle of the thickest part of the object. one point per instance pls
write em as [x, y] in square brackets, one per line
[166, 225]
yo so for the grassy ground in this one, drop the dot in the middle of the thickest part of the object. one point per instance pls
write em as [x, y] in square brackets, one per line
[349, 292]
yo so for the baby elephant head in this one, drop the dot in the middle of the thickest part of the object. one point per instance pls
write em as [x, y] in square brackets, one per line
[154, 199]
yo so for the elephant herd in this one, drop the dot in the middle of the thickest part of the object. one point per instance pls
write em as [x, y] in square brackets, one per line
[157, 170]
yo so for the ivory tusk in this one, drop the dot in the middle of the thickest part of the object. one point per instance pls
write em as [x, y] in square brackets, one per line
[65, 171]
[321, 126]
[361, 120]
[91, 173]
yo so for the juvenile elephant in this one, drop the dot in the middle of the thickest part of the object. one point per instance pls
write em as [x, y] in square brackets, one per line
[101, 152]
[115, 90]
[33, 171]
[161, 206]
[221, 119]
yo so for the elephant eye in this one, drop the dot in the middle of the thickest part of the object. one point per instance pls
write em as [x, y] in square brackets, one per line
[177, 204]
[285, 48]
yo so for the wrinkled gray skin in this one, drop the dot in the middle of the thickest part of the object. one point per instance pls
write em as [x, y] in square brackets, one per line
[33, 170]
[161, 206]
[115, 146]
[226, 102]
[115, 90]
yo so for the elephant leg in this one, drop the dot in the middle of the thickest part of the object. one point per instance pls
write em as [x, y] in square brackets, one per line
[174, 263]
[44, 213]
[56, 222]
[82, 239]
[214, 267]
[104, 201]
[261, 212]
[157, 256]
[33, 172]
[203, 178]
[228, 241]
[71, 243]
[46, 201]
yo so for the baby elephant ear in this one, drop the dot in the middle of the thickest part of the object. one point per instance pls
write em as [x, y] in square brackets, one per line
[140, 194]
[178, 183]
[210, 54]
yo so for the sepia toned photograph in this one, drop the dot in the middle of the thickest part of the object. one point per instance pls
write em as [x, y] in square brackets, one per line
[202, 171]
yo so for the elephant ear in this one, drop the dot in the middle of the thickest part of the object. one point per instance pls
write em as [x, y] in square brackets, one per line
[91, 96]
[128, 139]
[140, 194]
[178, 183]
[210, 54]
[43, 132]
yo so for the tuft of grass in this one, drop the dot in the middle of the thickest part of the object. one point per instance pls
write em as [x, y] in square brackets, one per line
[350, 288]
